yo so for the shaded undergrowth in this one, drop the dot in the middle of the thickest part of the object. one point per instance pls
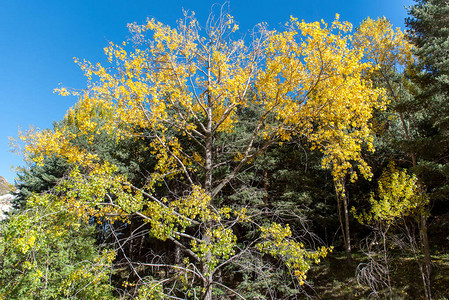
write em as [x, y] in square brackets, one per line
[335, 278]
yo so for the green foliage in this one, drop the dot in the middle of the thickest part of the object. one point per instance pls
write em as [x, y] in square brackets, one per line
[429, 31]
[38, 179]
[47, 252]
[428, 25]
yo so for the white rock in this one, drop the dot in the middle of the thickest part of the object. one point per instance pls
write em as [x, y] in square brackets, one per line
[5, 205]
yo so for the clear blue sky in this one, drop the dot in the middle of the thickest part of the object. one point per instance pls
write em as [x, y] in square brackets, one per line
[40, 38]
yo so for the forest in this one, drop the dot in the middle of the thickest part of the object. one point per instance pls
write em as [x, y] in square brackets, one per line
[203, 163]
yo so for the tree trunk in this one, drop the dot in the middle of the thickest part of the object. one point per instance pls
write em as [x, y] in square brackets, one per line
[386, 262]
[426, 271]
[343, 198]
[207, 280]
[265, 185]
[347, 235]
[427, 260]
[207, 226]
[207, 290]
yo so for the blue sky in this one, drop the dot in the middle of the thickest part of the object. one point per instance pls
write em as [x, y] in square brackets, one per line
[40, 38]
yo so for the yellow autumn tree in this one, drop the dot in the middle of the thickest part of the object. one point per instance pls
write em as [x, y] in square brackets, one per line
[390, 51]
[184, 90]
[399, 195]
[385, 50]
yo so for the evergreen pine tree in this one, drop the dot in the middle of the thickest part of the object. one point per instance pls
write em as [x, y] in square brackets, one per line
[429, 30]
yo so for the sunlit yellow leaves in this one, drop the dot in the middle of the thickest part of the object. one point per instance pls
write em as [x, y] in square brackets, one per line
[168, 218]
[219, 244]
[182, 87]
[195, 206]
[101, 193]
[62, 91]
[309, 77]
[313, 81]
[399, 194]
[384, 46]
[277, 242]
[151, 290]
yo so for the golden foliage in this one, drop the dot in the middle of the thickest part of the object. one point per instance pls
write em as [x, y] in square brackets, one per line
[308, 78]
[399, 194]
